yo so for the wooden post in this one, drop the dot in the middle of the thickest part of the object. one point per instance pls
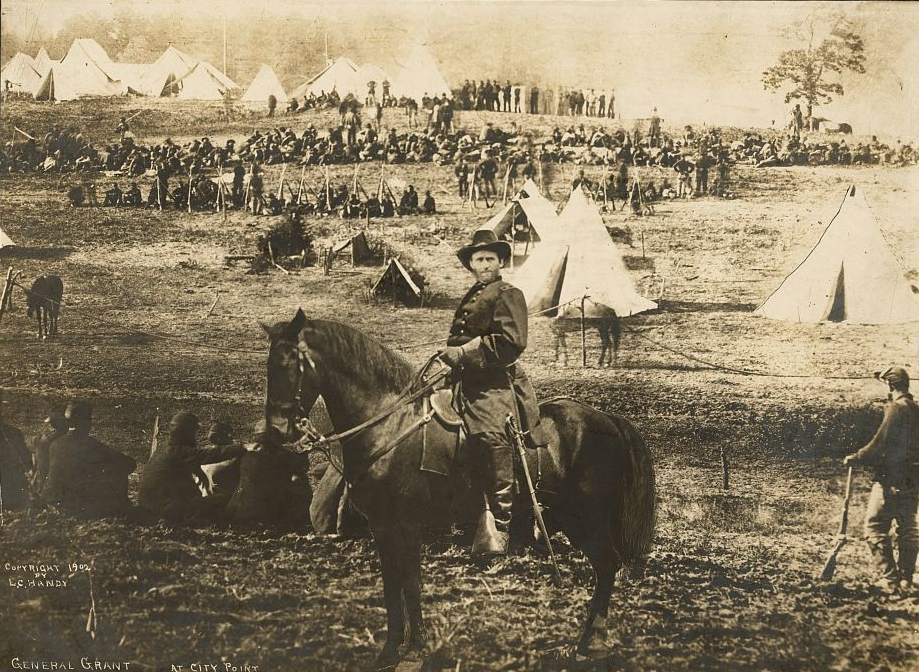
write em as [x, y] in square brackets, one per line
[583, 332]
[190, 166]
[7, 290]
[155, 441]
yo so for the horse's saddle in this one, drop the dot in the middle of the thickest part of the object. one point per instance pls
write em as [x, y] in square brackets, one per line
[442, 404]
[440, 457]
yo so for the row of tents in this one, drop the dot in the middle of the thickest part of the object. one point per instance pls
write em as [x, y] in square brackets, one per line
[850, 275]
[87, 70]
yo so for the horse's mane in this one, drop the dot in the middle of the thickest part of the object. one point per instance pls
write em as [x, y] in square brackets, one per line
[354, 352]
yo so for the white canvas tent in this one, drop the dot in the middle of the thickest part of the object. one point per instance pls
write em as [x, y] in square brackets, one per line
[164, 73]
[575, 259]
[84, 71]
[21, 74]
[43, 62]
[5, 240]
[341, 76]
[205, 82]
[419, 76]
[266, 83]
[524, 216]
[372, 73]
[851, 275]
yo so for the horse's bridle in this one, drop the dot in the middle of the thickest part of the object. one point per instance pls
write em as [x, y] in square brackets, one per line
[313, 439]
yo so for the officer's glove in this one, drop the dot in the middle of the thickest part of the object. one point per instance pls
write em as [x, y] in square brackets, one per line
[850, 460]
[452, 355]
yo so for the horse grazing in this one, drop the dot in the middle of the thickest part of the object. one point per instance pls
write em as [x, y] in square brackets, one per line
[44, 300]
[596, 478]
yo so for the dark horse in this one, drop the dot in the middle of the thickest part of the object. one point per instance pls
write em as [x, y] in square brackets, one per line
[44, 301]
[596, 476]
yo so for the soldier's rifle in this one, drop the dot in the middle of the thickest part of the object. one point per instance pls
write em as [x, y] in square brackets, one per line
[829, 567]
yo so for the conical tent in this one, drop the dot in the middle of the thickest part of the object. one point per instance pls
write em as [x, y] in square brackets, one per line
[78, 75]
[43, 62]
[21, 74]
[851, 275]
[164, 73]
[579, 259]
[5, 240]
[420, 76]
[266, 83]
[340, 76]
[205, 82]
[525, 215]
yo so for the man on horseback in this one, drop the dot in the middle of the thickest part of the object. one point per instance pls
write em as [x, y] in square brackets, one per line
[488, 335]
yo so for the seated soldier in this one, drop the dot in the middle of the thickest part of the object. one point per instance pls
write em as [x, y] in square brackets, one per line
[55, 427]
[132, 196]
[387, 206]
[76, 196]
[15, 461]
[428, 207]
[86, 477]
[273, 483]
[113, 196]
[222, 477]
[408, 204]
[168, 488]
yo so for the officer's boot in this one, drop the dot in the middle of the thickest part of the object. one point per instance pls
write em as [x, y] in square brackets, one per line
[882, 557]
[494, 524]
[907, 564]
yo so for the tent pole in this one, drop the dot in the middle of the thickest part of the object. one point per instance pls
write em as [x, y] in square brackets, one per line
[583, 332]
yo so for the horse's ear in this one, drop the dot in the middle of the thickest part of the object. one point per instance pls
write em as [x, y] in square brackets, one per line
[265, 327]
[298, 322]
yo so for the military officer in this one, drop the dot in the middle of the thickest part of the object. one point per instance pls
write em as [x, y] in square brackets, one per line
[488, 335]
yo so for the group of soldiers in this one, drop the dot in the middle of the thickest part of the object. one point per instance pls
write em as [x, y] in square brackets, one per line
[66, 468]
[793, 150]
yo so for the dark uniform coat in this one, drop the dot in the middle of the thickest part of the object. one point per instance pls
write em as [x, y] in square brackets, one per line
[87, 477]
[493, 383]
[167, 486]
[15, 461]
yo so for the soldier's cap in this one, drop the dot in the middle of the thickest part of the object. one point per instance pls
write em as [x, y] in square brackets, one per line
[483, 239]
[78, 410]
[220, 427]
[895, 375]
[184, 419]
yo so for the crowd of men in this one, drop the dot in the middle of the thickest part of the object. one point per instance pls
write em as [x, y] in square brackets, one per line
[66, 468]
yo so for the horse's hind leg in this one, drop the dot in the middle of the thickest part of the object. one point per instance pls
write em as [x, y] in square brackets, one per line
[605, 562]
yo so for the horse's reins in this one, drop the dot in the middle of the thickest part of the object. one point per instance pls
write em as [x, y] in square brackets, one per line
[406, 396]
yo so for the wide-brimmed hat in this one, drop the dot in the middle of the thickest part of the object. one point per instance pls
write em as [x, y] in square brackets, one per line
[484, 239]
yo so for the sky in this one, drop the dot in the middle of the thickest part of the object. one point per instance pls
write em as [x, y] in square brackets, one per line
[691, 60]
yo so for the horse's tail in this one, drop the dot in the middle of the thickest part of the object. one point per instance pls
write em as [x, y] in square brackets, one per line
[638, 500]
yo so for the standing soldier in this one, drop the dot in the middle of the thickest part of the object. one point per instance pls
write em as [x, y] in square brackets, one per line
[893, 453]
[272, 104]
[488, 335]
[534, 99]
[462, 177]
[122, 128]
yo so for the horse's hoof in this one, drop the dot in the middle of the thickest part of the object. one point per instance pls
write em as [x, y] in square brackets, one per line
[386, 661]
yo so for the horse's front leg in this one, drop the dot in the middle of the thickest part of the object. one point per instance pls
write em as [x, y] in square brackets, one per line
[388, 550]
[411, 586]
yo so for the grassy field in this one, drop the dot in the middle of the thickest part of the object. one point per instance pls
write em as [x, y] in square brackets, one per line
[730, 584]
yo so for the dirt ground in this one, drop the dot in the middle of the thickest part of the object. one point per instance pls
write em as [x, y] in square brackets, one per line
[731, 580]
